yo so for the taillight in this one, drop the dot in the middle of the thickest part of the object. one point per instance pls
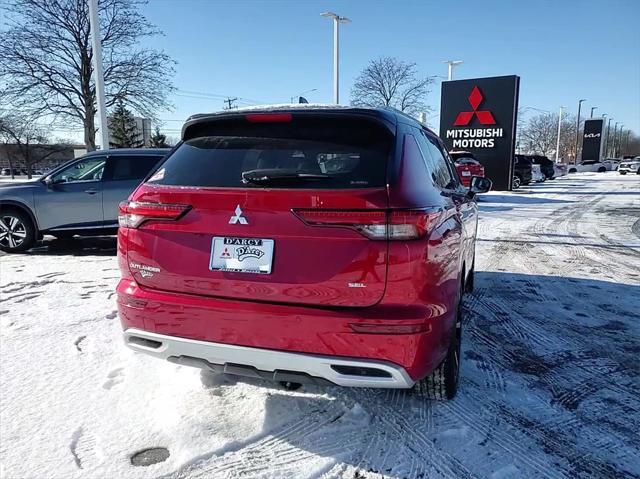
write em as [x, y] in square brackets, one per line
[133, 213]
[375, 224]
[389, 328]
[410, 224]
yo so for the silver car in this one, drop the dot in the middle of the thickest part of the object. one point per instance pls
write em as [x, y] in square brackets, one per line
[80, 197]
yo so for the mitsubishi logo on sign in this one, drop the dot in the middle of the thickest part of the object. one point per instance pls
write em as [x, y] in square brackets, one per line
[238, 218]
[485, 117]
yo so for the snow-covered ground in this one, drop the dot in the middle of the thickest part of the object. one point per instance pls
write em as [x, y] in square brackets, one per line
[17, 179]
[550, 382]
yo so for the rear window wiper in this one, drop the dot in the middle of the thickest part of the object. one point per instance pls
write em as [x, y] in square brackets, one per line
[271, 176]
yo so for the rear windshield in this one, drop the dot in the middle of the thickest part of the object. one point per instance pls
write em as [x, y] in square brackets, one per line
[466, 161]
[317, 155]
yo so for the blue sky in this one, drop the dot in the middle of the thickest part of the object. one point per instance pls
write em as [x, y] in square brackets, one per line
[269, 51]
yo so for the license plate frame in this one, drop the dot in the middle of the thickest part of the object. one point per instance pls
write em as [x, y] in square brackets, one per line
[232, 254]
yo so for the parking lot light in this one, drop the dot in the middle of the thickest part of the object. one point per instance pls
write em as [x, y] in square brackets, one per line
[98, 73]
[593, 108]
[558, 139]
[575, 158]
[452, 64]
[337, 20]
[607, 143]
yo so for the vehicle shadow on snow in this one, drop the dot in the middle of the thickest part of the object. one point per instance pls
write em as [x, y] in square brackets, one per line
[549, 387]
[517, 199]
[77, 246]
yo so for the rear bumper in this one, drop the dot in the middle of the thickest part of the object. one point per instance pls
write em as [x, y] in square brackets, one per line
[269, 364]
[290, 332]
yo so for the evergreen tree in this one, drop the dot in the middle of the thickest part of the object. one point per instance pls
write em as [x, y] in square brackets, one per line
[158, 140]
[123, 129]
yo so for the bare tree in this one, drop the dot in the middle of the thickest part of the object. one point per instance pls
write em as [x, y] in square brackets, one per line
[567, 137]
[46, 60]
[630, 144]
[540, 133]
[388, 81]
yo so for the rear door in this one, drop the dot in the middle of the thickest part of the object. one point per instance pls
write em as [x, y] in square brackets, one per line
[288, 232]
[122, 175]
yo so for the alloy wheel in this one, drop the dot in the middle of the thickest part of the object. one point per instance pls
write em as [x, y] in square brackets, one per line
[12, 231]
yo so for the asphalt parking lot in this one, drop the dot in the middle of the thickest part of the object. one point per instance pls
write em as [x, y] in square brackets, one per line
[550, 381]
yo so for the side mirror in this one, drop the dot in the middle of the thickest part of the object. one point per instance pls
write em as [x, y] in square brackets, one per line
[48, 181]
[479, 185]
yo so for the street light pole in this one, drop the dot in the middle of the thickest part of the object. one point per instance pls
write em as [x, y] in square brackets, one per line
[337, 20]
[98, 73]
[604, 138]
[593, 108]
[558, 139]
[452, 64]
[575, 158]
[608, 131]
[615, 137]
[619, 141]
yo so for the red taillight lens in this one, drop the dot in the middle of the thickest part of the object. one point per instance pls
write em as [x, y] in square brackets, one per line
[410, 224]
[389, 328]
[374, 224]
[134, 213]
[269, 117]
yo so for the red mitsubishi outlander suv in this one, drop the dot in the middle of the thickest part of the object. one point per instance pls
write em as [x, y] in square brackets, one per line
[321, 245]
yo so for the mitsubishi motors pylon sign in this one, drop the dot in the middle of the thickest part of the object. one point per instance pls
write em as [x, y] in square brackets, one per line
[479, 116]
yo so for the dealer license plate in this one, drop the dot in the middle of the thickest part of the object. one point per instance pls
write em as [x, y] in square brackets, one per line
[241, 255]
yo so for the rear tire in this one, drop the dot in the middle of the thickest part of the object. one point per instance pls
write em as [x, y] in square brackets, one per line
[17, 232]
[624, 172]
[516, 182]
[469, 286]
[602, 169]
[573, 170]
[442, 384]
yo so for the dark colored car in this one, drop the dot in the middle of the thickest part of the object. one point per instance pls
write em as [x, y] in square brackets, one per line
[546, 165]
[303, 245]
[80, 197]
[522, 174]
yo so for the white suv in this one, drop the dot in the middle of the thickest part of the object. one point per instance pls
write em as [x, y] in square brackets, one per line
[630, 166]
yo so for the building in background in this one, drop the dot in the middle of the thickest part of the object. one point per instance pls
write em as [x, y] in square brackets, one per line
[41, 157]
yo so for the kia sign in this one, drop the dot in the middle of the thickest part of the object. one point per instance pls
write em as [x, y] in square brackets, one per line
[592, 140]
[480, 116]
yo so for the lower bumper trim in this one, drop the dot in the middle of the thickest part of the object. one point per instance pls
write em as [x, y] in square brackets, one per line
[269, 364]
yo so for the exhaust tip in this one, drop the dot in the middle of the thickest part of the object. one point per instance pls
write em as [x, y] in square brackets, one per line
[144, 342]
[361, 371]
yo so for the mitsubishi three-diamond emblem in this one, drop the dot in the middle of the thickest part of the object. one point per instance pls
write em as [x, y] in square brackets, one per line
[485, 117]
[238, 218]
